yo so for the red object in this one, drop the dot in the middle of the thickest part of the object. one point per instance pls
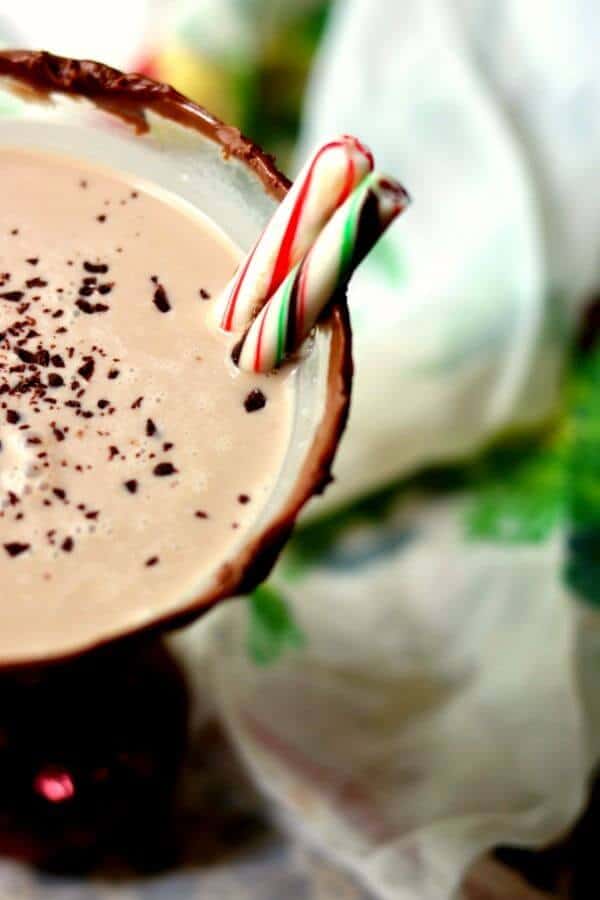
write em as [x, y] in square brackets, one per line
[55, 785]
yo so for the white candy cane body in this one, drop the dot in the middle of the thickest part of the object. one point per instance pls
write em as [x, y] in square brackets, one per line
[324, 183]
[290, 314]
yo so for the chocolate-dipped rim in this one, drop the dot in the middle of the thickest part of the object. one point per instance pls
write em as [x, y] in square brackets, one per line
[129, 96]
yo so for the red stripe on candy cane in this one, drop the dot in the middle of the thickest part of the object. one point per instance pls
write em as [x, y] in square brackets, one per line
[349, 182]
[286, 249]
[361, 148]
[283, 261]
[227, 322]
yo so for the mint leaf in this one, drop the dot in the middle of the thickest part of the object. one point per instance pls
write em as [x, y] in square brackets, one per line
[582, 568]
[272, 628]
[519, 492]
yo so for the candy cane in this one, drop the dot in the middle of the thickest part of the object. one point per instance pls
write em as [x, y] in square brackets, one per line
[290, 314]
[322, 186]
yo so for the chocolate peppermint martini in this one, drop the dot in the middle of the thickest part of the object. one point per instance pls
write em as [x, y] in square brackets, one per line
[142, 474]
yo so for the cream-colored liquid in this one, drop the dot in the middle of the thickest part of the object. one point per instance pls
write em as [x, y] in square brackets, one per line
[88, 526]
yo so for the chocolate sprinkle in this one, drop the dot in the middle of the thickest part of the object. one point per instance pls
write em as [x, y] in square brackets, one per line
[87, 369]
[255, 400]
[132, 486]
[95, 268]
[91, 308]
[25, 355]
[163, 469]
[15, 549]
[161, 301]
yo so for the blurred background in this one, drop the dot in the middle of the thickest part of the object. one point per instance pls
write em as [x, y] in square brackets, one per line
[409, 708]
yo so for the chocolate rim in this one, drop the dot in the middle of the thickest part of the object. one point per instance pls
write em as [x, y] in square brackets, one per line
[129, 96]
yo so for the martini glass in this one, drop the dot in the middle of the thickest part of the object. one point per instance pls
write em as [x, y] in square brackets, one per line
[93, 725]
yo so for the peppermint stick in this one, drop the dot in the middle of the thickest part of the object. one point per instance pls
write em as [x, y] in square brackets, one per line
[288, 317]
[325, 182]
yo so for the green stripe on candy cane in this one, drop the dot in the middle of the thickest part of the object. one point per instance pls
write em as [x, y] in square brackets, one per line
[291, 312]
[283, 316]
[347, 247]
[324, 184]
[350, 227]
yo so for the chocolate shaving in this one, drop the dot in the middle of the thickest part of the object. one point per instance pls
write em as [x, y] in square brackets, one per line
[91, 308]
[95, 268]
[161, 301]
[87, 369]
[15, 549]
[255, 400]
[164, 469]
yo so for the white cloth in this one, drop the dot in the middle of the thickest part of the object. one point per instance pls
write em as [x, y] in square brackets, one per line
[434, 711]
[493, 123]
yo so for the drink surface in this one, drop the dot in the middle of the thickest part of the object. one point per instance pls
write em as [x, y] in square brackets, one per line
[133, 455]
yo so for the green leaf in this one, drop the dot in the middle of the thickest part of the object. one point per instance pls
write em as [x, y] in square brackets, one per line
[582, 567]
[519, 492]
[311, 544]
[272, 628]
